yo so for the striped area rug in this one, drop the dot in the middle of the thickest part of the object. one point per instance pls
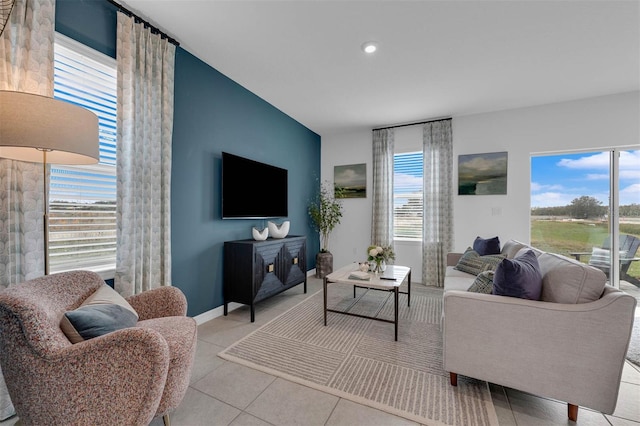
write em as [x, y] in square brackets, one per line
[357, 358]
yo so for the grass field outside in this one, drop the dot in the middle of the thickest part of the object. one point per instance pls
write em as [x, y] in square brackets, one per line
[565, 236]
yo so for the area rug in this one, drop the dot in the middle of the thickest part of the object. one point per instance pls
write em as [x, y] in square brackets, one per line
[357, 358]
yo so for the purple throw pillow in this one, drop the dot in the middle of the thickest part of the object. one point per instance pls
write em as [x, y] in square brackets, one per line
[485, 246]
[519, 277]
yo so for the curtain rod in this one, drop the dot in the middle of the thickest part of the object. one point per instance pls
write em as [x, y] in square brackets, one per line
[154, 29]
[410, 124]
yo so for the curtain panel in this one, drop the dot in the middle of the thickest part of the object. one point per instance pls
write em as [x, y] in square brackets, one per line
[437, 229]
[26, 65]
[145, 63]
[382, 212]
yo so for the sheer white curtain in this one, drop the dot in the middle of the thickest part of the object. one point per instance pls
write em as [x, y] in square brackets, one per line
[437, 229]
[382, 214]
[145, 126]
[26, 65]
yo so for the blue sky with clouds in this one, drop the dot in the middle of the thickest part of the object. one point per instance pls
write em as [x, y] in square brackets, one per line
[558, 179]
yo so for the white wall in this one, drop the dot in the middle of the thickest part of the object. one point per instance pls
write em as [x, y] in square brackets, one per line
[594, 123]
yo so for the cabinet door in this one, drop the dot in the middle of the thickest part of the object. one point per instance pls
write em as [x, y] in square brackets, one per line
[295, 261]
[269, 273]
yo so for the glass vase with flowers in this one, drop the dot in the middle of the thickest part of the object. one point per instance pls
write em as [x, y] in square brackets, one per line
[380, 256]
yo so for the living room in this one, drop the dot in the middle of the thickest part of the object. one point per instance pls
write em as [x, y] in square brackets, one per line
[216, 112]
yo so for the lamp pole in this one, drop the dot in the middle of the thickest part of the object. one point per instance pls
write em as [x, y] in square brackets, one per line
[45, 207]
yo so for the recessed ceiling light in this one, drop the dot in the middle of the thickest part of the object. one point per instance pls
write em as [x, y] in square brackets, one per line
[369, 47]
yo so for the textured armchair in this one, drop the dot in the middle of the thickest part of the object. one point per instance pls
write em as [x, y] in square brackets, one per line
[125, 377]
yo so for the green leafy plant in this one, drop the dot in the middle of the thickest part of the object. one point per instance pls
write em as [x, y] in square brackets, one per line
[325, 212]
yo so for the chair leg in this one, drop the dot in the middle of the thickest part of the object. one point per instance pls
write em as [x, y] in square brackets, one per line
[453, 378]
[166, 420]
[573, 412]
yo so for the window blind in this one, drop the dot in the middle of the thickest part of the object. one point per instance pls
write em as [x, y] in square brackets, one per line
[82, 199]
[407, 195]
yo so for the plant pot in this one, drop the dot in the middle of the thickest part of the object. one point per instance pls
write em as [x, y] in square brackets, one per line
[324, 264]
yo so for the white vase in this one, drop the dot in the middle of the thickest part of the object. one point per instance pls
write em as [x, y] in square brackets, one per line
[278, 231]
[260, 235]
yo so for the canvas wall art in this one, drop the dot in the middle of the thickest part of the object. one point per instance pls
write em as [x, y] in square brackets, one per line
[482, 174]
[351, 180]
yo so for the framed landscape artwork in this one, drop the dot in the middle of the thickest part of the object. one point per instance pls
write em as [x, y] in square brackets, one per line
[351, 180]
[482, 174]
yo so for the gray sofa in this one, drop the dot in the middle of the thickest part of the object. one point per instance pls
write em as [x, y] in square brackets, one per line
[570, 345]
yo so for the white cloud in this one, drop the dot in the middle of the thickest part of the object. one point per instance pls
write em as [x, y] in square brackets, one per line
[535, 187]
[630, 194]
[595, 176]
[407, 180]
[595, 161]
[551, 199]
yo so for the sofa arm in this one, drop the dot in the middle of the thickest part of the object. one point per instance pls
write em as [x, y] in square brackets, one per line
[453, 258]
[574, 353]
[121, 376]
[160, 302]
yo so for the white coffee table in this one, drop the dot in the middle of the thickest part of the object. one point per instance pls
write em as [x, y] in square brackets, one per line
[390, 280]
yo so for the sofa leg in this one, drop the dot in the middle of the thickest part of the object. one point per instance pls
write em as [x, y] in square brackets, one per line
[166, 420]
[453, 378]
[573, 412]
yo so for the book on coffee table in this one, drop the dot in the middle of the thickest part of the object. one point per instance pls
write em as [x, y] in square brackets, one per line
[359, 275]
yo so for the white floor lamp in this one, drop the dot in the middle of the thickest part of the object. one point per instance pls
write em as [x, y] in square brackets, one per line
[41, 129]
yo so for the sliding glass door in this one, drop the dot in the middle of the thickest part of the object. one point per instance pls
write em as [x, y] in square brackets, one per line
[584, 204]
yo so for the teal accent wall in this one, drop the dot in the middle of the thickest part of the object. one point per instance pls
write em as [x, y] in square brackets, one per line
[212, 114]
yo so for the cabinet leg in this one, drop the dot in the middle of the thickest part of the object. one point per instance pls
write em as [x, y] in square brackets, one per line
[253, 314]
[225, 309]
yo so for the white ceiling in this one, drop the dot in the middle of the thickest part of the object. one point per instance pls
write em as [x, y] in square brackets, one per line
[435, 58]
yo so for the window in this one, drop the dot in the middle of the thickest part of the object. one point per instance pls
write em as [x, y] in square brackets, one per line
[407, 196]
[82, 199]
[580, 200]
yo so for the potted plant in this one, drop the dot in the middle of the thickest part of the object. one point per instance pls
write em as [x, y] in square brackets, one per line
[325, 213]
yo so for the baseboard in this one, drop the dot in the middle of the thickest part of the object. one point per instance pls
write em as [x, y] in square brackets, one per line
[215, 313]
[219, 311]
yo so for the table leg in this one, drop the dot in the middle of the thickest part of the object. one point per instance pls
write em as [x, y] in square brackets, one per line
[409, 288]
[396, 293]
[324, 290]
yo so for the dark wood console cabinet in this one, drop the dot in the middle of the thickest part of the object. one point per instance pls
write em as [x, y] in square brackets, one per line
[256, 270]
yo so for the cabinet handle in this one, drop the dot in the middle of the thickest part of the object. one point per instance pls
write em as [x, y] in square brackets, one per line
[270, 267]
[295, 260]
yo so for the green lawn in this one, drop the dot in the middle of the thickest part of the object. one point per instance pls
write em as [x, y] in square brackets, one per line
[565, 237]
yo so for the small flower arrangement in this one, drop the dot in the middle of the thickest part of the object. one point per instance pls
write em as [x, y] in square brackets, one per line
[378, 254]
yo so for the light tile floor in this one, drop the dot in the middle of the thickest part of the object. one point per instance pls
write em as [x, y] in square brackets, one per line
[225, 393]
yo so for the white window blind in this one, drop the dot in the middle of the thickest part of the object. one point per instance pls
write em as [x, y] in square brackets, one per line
[82, 199]
[407, 195]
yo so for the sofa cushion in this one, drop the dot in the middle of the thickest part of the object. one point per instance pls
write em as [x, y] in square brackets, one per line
[483, 283]
[457, 280]
[101, 313]
[472, 263]
[511, 248]
[486, 246]
[565, 280]
[519, 277]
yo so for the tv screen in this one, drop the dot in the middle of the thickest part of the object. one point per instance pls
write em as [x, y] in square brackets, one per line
[253, 190]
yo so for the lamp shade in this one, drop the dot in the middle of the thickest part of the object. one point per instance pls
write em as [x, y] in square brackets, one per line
[30, 124]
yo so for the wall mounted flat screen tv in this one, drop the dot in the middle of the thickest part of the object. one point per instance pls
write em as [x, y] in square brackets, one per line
[253, 190]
